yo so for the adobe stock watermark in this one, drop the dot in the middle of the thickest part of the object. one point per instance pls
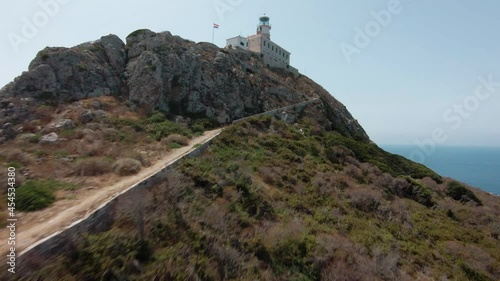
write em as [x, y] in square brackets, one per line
[223, 6]
[32, 25]
[363, 37]
[454, 117]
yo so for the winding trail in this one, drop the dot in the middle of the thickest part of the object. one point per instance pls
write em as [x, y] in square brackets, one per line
[32, 229]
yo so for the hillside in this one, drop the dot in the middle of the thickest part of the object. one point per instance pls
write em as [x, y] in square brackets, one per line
[301, 195]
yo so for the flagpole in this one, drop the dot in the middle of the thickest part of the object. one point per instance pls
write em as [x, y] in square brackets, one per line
[213, 33]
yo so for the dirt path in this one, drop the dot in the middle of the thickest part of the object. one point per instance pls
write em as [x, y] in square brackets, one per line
[32, 227]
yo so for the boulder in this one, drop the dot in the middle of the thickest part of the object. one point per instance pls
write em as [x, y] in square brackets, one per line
[65, 124]
[49, 138]
[8, 131]
[86, 116]
[100, 114]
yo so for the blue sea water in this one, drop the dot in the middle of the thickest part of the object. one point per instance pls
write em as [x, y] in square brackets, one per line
[477, 166]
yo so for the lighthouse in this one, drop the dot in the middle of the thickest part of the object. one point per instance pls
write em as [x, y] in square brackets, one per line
[272, 54]
[264, 28]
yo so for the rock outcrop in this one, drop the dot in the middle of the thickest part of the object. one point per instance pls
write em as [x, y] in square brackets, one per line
[177, 76]
[70, 74]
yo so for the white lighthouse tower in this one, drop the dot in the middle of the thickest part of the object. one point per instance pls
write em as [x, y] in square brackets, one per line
[264, 28]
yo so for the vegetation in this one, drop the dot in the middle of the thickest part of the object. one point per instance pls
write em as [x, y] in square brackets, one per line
[127, 166]
[93, 166]
[117, 140]
[270, 201]
[393, 164]
[159, 127]
[38, 194]
[137, 32]
[461, 193]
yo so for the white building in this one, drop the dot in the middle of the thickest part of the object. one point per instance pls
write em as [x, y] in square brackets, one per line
[273, 54]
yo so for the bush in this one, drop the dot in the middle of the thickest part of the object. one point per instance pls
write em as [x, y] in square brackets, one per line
[157, 117]
[33, 196]
[35, 138]
[127, 166]
[119, 123]
[163, 129]
[17, 155]
[392, 164]
[175, 138]
[137, 156]
[461, 193]
[409, 188]
[200, 125]
[94, 166]
[197, 128]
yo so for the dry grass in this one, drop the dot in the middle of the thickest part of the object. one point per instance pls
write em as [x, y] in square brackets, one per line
[94, 166]
[127, 166]
[365, 199]
[175, 138]
[17, 155]
[30, 127]
[136, 156]
[91, 145]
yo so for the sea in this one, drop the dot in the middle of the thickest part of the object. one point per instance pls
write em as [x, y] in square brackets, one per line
[476, 166]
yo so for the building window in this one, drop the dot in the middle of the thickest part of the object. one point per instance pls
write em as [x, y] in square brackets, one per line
[272, 48]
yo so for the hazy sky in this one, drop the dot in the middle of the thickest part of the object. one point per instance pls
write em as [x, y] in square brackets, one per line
[413, 75]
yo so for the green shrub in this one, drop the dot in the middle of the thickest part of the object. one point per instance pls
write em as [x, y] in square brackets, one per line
[197, 128]
[61, 154]
[157, 117]
[15, 164]
[395, 165]
[292, 254]
[174, 146]
[410, 188]
[165, 128]
[35, 138]
[34, 195]
[461, 193]
[473, 274]
[138, 125]
[200, 125]
[41, 153]
[95, 255]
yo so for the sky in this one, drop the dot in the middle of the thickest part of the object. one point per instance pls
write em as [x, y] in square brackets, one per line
[411, 71]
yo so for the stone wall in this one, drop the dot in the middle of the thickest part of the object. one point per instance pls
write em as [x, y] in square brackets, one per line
[283, 112]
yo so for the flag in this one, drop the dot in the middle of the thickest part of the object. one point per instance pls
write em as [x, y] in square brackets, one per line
[216, 25]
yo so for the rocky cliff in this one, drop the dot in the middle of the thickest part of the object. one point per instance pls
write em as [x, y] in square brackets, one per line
[168, 73]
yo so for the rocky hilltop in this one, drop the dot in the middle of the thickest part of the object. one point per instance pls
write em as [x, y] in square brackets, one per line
[304, 196]
[167, 73]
